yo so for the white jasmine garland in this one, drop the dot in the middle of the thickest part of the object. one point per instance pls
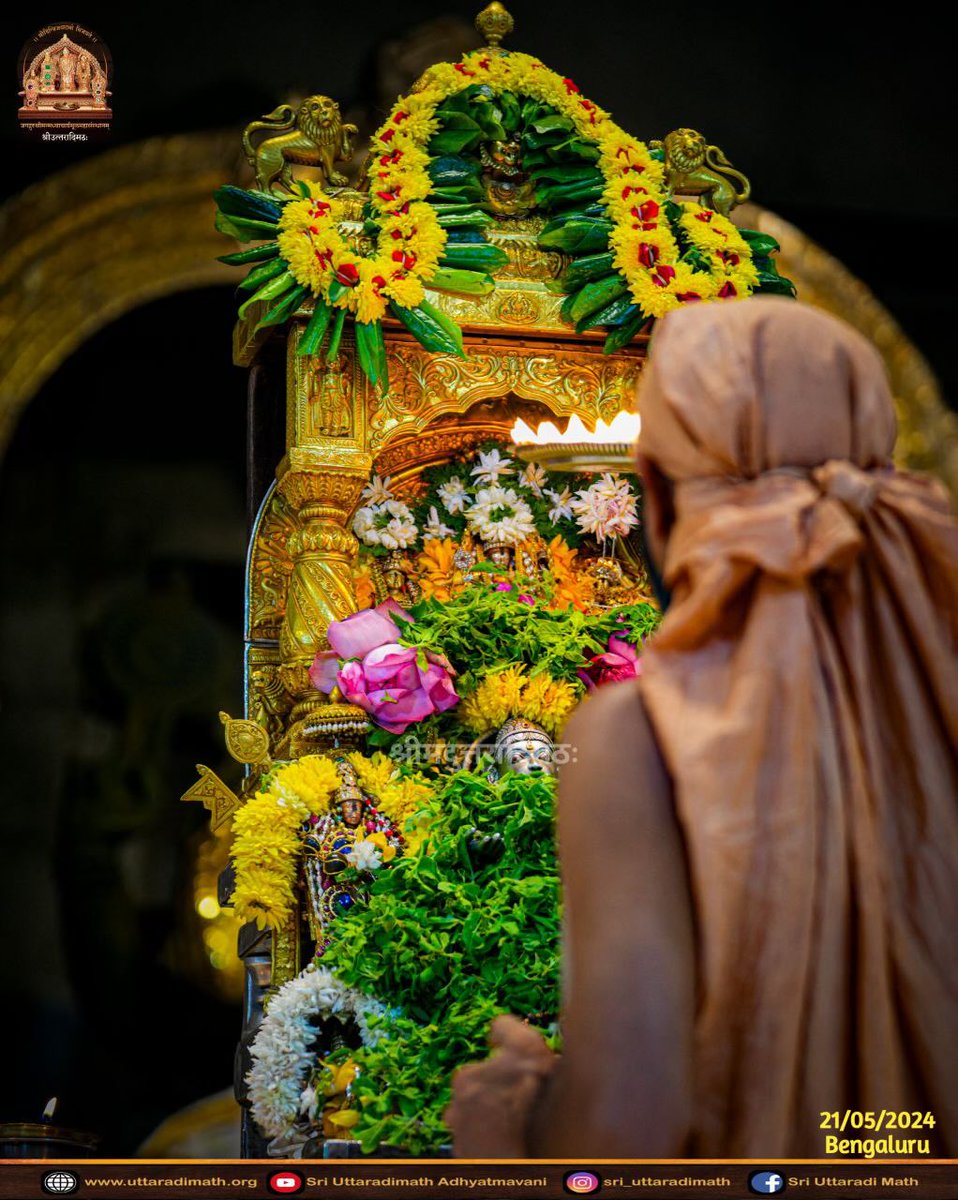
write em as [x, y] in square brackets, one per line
[453, 495]
[363, 522]
[534, 478]
[501, 515]
[434, 527]
[561, 509]
[490, 466]
[365, 856]
[389, 524]
[283, 1051]
[377, 491]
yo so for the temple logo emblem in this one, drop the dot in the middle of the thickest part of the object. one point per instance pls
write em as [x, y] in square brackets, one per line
[65, 74]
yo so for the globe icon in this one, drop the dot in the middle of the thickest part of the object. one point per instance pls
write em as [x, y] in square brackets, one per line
[60, 1183]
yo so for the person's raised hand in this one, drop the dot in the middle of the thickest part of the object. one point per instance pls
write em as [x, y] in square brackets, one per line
[493, 1100]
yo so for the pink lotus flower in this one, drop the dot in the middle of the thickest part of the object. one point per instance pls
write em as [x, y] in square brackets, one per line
[620, 661]
[397, 685]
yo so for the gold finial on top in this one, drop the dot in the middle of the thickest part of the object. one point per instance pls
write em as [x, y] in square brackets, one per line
[494, 23]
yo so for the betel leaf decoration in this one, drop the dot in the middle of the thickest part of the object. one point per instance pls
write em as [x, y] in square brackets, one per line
[636, 252]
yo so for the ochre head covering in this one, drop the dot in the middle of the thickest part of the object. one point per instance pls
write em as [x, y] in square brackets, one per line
[803, 688]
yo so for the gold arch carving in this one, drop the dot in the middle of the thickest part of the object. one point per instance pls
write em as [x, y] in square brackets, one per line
[88, 244]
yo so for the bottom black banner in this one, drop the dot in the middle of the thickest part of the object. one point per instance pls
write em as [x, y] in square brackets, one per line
[452, 1179]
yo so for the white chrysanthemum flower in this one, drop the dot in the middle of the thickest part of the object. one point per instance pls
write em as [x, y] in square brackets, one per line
[453, 495]
[377, 491]
[490, 466]
[501, 515]
[365, 856]
[434, 527]
[561, 509]
[534, 478]
[606, 509]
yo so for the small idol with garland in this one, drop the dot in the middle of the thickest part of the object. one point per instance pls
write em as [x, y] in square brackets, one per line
[354, 833]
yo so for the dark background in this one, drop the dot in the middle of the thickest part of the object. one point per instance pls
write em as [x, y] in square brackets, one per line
[111, 540]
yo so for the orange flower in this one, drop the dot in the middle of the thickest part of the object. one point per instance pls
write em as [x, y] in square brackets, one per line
[364, 588]
[439, 578]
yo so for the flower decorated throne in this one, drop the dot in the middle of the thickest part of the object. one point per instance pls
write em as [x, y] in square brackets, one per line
[501, 259]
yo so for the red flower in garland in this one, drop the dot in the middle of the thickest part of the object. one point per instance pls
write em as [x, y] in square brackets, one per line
[571, 88]
[647, 211]
[408, 261]
[727, 291]
[704, 216]
[348, 274]
[663, 275]
[729, 257]
[319, 208]
[687, 297]
[648, 255]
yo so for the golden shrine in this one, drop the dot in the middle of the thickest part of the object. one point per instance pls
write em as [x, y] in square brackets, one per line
[65, 80]
[497, 268]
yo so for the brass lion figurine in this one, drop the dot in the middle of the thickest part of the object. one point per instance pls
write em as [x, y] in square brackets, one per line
[694, 168]
[313, 135]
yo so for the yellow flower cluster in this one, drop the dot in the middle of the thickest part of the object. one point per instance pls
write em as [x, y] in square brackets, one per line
[411, 241]
[513, 693]
[397, 797]
[439, 577]
[408, 247]
[266, 838]
[338, 1114]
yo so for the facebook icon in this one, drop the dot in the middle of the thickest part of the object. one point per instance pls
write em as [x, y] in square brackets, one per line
[766, 1183]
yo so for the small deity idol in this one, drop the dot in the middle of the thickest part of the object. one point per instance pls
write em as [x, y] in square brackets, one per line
[524, 748]
[328, 843]
[83, 74]
[68, 63]
[47, 72]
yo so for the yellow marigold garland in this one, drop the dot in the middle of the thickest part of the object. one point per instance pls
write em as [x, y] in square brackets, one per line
[266, 840]
[411, 240]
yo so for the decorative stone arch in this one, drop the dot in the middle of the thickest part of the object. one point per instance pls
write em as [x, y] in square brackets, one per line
[90, 243]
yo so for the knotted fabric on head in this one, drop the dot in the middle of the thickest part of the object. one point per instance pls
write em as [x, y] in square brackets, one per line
[803, 688]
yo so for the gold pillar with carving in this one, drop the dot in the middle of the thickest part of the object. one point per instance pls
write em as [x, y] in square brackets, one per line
[321, 478]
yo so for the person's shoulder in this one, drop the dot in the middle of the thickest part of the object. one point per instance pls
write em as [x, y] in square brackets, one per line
[612, 713]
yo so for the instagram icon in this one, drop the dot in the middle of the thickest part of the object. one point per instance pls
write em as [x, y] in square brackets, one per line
[581, 1183]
